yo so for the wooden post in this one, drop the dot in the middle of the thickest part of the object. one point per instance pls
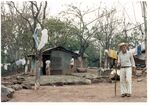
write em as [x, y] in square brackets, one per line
[115, 82]
[145, 25]
[143, 7]
[100, 62]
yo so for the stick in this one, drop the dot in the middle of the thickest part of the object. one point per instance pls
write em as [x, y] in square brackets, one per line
[115, 81]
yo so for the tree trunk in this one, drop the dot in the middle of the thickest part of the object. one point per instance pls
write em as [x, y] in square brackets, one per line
[38, 69]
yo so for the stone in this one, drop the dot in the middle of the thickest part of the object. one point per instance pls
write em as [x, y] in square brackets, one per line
[26, 86]
[58, 80]
[17, 82]
[7, 78]
[81, 70]
[6, 93]
[138, 73]
[86, 75]
[6, 83]
[16, 87]
[139, 80]
[21, 78]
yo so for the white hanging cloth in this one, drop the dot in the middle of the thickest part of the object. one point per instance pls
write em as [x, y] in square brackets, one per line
[44, 39]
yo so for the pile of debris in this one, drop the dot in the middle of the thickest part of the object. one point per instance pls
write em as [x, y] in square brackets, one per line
[10, 84]
[16, 82]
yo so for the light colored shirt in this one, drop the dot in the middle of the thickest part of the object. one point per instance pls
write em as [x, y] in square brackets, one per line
[48, 62]
[72, 61]
[126, 59]
[21, 62]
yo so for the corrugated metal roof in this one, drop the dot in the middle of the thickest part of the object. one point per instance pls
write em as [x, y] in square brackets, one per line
[59, 48]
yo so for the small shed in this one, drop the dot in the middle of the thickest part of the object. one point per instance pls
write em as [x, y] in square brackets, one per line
[60, 60]
[140, 59]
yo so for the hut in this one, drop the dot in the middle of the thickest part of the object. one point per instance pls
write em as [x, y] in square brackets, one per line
[60, 60]
[140, 60]
[139, 55]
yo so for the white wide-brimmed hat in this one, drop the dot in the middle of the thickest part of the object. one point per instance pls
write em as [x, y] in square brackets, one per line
[122, 44]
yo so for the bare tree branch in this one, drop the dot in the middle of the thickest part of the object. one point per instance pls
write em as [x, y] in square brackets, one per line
[13, 5]
[44, 11]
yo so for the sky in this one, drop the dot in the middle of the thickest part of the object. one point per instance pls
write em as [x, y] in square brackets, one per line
[131, 8]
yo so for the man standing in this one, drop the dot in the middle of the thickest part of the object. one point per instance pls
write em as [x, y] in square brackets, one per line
[48, 62]
[126, 62]
[72, 63]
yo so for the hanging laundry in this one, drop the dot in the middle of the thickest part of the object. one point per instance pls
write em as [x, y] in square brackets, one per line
[112, 53]
[44, 39]
[6, 66]
[133, 51]
[143, 46]
[139, 50]
[21, 62]
[35, 35]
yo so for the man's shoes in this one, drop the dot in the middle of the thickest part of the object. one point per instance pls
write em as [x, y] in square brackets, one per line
[123, 95]
[128, 95]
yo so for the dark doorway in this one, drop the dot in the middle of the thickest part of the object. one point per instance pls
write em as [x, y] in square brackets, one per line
[45, 57]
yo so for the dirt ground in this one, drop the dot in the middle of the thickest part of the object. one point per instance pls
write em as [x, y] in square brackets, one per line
[101, 92]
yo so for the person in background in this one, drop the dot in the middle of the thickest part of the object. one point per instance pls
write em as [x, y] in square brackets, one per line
[48, 62]
[71, 63]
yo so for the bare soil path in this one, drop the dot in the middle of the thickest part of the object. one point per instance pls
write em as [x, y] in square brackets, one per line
[101, 92]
